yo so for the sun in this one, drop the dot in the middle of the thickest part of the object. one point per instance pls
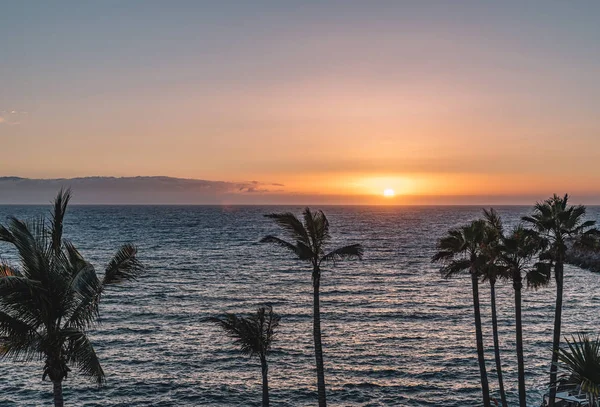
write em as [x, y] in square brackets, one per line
[389, 192]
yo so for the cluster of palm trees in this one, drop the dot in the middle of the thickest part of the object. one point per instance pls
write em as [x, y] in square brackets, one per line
[533, 251]
[307, 241]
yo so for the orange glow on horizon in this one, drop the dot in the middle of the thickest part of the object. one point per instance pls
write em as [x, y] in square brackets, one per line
[405, 186]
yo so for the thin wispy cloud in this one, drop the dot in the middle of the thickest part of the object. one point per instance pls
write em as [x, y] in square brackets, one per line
[11, 117]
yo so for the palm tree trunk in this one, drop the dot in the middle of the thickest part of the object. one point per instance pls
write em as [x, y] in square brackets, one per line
[317, 339]
[518, 285]
[265, 381]
[558, 275]
[485, 389]
[496, 344]
[58, 394]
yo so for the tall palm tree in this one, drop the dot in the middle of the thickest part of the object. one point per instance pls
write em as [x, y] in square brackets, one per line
[516, 252]
[461, 251]
[49, 302]
[491, 271]
[582, 362]
[254, 335]
[557, 222]
[308, 242]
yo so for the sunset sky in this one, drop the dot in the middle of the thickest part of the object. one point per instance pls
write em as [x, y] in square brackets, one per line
[347, 99]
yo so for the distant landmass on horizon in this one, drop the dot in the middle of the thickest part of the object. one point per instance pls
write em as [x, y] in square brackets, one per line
[128, 190]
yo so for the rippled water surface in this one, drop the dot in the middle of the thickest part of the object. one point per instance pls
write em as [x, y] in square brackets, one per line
[394, 332]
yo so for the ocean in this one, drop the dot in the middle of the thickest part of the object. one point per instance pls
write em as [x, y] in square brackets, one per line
[394, 332]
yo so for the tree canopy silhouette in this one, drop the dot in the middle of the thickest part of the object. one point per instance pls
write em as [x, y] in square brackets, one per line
[51, 299]
[253, 335]
[558, 224]
[462, 251]
[307, 241]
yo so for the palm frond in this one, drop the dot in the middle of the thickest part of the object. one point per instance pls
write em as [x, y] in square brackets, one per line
[83, 312]
[587, 224]
[81, 353]
[269, 323]
[74, 259]
[539, 275]
[309, 225]
[493, 220]
[533, 220]
[520, 246]
[80, 302]
[455, 267]
[5, 235]
[32, 254]
[292, 225]
[124, 266]
[241, 331]
[454, 242]
[443, 255]
[302, 251]
[60, 208]
[23, 297]
[492, 271]
[347, 252]
[85, 282]
[13, 327]
[582, 361]
[252, 334]
[321, 228]
[22, 348]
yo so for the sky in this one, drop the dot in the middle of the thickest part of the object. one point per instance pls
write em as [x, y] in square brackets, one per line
[499, 101]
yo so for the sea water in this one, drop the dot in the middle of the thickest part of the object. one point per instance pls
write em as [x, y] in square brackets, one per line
[394, 332]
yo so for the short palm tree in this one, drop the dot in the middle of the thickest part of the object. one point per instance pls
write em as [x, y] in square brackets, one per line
[491, 271]
[307, 243]
[557, 222]
[254, 335]
[460, 251]
[516, 252]
[50, 301]
[582, 362]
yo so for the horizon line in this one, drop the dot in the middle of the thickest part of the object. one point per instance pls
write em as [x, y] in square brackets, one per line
[285, 204]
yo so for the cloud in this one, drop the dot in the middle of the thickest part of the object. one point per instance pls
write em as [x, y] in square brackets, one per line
[11, 117]
[254, 190]
[6, 116]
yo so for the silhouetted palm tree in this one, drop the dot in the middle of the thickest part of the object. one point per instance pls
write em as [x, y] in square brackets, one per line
[557, 222]
[461, 251]
[491, 271]
[516, 252]
[48, 303]
[308, 242]
[582, 362]
[254, 335]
